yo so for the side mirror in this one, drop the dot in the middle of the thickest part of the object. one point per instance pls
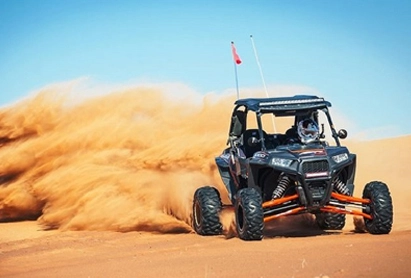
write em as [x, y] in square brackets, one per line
[253, 141]
[342, 133]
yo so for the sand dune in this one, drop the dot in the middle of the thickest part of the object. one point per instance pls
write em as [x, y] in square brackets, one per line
[130, 162]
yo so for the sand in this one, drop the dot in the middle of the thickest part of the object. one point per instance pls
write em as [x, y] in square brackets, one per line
[91, 189]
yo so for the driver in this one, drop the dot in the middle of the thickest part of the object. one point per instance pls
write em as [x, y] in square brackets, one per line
[308, 131]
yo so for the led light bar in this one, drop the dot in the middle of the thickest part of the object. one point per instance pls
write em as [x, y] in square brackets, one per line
[297, 101]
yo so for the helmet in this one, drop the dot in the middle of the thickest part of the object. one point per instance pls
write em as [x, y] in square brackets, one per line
[307, 131]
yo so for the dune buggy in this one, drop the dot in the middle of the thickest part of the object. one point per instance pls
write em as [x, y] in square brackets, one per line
[271, 175]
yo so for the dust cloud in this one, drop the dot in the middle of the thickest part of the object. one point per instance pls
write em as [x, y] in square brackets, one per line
[124, 161]
[131, 160]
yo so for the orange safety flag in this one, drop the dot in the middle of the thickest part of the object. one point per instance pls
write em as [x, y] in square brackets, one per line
[236, 58]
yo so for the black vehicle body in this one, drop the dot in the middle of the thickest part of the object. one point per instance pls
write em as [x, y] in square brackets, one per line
[272, 175]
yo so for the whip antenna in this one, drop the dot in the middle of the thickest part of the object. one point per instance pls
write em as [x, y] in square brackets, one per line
[262, 77]
[259, 66]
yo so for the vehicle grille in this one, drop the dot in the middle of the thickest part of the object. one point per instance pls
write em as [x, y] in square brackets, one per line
[315, 166]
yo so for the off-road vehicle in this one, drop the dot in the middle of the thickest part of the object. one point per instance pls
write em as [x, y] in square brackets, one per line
[271, 175]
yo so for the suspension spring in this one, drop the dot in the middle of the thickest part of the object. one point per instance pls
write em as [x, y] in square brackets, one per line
[281, 187]
[340, 186]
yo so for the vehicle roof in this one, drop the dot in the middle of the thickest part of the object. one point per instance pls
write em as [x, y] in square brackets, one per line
[282, 106]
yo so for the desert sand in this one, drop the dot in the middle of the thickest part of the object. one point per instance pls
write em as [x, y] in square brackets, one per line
[90, 189]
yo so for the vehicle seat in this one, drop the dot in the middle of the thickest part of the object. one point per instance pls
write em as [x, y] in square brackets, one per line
[278, 139]
[250, 149]
[291, 135]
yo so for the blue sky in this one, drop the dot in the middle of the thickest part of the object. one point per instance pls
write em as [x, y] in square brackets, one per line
[355, 53]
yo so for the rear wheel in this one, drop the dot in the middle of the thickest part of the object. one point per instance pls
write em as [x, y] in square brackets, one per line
[206, 208]
[330, 221]
[380, 208]
[249, 214]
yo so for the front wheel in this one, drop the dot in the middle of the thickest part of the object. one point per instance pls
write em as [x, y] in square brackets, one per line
[206, 208]
[249, 214]
[380, 208]
[330, 221]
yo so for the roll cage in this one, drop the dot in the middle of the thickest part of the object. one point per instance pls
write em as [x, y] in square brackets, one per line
[299, 106]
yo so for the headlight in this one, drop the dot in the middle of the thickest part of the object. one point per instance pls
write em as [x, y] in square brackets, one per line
[340, 157]
[283, 162]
